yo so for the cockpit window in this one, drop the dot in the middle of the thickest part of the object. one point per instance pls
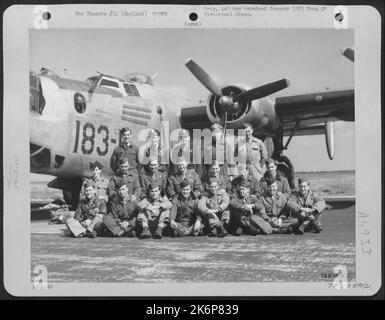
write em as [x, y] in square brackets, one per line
[131, 90]
[109, 83]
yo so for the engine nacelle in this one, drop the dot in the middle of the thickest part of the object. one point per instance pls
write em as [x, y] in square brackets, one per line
[259, 113]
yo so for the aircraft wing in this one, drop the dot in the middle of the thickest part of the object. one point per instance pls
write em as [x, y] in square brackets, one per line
[305, 111]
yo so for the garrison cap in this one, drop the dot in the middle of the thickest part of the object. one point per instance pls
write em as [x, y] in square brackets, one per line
[216, 126]
[119, 183]
[152, 186]
[213, 179]
[95, 164]
[185, 183]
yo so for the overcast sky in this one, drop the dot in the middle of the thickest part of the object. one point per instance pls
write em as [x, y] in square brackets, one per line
[310, 59]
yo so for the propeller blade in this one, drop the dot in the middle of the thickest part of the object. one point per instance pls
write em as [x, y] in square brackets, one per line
[203, 77]
[262, 91]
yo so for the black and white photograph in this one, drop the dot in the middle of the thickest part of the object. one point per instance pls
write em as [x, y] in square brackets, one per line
[192, 156]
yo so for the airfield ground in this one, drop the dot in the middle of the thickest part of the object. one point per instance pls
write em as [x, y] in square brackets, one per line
[200, 259]
[232, 259]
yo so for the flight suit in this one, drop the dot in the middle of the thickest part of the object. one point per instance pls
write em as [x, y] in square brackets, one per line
[101, 187]
[160, 178]
[88, 216]
[221, 203]
[223, 183]
[283, 184]
[130, 152]
[185, 213]
[276, 212]
[240, 214]
[153, 213]
[254, 154]
[131, 179]
[121, 211]
[174, 182]
[311, 201]
[255, 187]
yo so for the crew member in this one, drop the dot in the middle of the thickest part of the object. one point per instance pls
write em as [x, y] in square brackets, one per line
[253, 153]
[214, 173]
[214, 209]
[175, 180]
[273, 174]
[130, 178]
[153, 175]
[127, 150]
[308, 206]
[100, 182]
[255, 187]
[154, 212]
[222, 149]
[185, 150]
[243, 206]
[122, 213]
[157, 151]
[276, 210]
[185, 219]
[89, 214]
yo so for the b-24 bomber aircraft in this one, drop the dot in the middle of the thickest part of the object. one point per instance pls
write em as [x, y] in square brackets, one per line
[74, 122]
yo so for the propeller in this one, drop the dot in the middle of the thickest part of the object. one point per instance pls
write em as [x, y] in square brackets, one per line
[230, 103]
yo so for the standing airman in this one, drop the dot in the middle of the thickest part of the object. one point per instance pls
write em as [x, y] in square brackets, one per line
[127, 150]
[253, 153]
[101, 183]
[273, 174]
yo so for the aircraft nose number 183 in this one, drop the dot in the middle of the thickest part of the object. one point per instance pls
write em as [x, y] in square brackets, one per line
[88, 137]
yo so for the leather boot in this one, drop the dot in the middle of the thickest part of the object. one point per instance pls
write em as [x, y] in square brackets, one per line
[158, 233]
[145, 233]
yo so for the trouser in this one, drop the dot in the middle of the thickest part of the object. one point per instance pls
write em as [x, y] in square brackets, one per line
[78, 228]
[261, 224]
[310, 221]
[216, 221]
[114, 228]
[153, 222]
[184, 229]
[235, 220]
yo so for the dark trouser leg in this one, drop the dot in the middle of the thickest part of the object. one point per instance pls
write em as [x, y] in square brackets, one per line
[260, 223]
[112, 226]
[289, 224]
[235, 221]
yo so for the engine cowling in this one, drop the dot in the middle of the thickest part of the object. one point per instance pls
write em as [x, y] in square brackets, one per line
[259, 113]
